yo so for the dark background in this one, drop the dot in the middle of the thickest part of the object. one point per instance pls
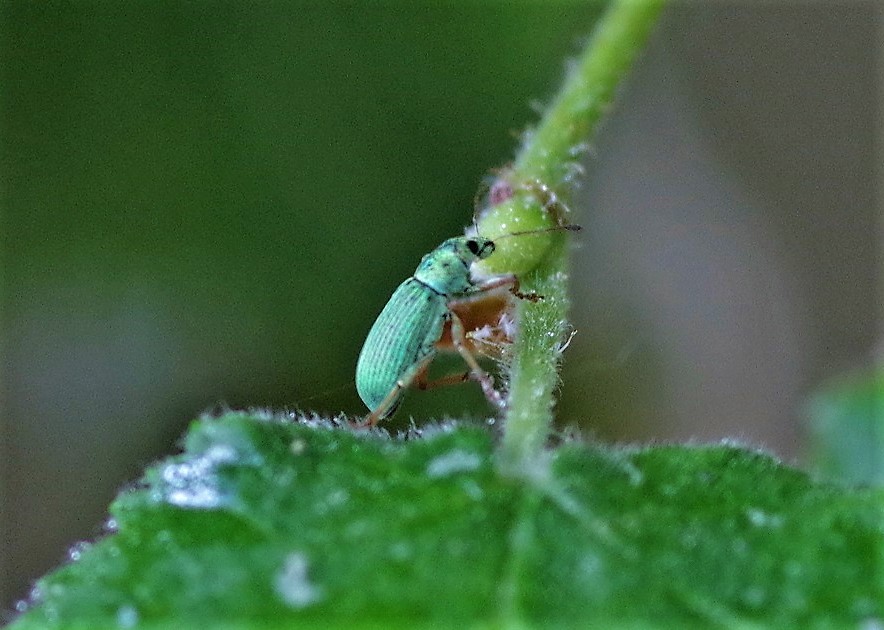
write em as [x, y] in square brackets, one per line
[209, 203]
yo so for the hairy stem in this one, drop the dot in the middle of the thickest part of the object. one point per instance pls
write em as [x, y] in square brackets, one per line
[547, 161]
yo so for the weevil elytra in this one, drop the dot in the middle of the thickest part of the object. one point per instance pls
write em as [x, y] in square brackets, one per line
[403, 340]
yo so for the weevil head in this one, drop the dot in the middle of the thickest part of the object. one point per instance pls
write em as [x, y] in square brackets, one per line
[446, 269]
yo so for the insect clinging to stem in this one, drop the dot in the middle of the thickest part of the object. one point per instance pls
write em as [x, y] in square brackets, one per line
[403, 340]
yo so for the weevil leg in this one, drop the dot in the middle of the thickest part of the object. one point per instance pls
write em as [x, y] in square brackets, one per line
[497, 282]
[531, 297]
[513, 282]
[484, 379]
[383, 409]
[452, 379]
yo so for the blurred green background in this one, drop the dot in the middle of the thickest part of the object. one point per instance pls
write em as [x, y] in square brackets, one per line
[208, 203]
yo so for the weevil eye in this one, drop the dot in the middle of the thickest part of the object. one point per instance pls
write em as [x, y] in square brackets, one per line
[480, 249]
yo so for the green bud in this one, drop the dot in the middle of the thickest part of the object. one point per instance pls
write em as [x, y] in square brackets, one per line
[516, 252]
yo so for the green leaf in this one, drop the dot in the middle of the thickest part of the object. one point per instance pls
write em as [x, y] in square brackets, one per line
[847, 429]
[283, 522]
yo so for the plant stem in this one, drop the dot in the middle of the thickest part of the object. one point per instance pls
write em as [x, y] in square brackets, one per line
[548, 156]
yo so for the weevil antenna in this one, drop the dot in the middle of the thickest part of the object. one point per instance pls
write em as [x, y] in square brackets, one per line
[570, 227]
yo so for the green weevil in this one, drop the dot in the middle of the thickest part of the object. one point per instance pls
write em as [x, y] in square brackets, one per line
[403, 340]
